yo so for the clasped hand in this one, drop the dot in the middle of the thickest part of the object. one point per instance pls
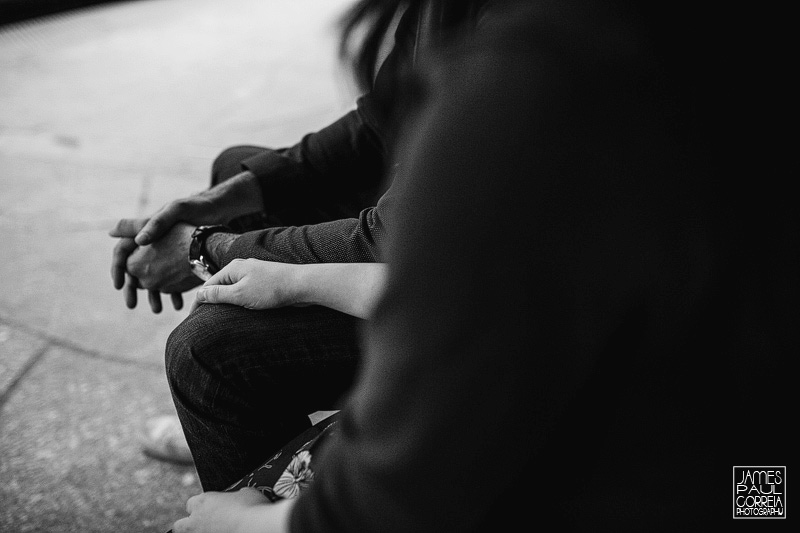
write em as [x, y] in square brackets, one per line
[152, 252]
[158, 267]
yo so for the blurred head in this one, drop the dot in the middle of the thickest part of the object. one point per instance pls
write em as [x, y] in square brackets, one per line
[365, 27]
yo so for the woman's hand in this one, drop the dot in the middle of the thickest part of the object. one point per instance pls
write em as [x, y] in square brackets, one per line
[352, 288]
[244, 511]
[251, 283]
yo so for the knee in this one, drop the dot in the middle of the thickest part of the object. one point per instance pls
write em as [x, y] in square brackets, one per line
[190, 346]
[178, 353]
[212, 337]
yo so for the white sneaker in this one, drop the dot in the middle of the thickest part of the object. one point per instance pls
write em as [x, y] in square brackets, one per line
[164, 440]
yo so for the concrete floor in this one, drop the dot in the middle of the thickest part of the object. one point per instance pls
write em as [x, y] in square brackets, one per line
[110, 112]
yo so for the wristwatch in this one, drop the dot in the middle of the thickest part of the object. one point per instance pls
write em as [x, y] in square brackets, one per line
[202, 265]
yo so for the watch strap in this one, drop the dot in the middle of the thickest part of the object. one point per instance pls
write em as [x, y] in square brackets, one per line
[202, 264]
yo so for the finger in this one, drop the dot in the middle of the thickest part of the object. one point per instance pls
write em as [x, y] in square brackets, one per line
[122, 250]
[160, 223]
[128, 227]
[130, 292]
[230, 274]
[217, 294]
[193, 502]
[252, 494]
[195, 305]
[219, 289]
[155, 301]
[181, 526]
[177, 300]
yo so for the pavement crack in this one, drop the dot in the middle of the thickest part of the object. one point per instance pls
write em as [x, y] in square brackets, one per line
[35, 358]
[54, 341]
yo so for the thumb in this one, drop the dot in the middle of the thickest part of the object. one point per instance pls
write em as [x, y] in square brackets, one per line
[219, 289]
[128, 227]
[159, 224]
[216, 294]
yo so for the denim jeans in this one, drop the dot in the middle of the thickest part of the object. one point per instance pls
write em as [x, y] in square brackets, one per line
[243, 381]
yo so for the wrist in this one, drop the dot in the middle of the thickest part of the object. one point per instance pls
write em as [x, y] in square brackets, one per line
[298, 285]
[217, 246]
[202, 263]
[267, 517]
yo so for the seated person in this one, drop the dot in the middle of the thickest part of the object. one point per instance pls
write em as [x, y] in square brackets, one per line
[320, 201]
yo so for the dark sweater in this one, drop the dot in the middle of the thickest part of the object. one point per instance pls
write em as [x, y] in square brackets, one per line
[587, 319]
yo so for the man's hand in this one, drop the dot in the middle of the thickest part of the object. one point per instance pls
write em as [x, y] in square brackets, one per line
[244, 511]
[163, 266]
[239, 195]
[127, 229]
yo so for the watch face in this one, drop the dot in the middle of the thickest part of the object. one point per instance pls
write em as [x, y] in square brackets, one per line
[200, 270]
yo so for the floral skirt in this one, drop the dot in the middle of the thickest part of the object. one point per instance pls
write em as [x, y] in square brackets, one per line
[288, 472]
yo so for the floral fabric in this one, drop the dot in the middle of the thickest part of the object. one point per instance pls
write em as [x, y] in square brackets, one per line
[289, 472]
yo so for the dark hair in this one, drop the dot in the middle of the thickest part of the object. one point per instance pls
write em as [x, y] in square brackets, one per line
[364, 29]
[360, 52]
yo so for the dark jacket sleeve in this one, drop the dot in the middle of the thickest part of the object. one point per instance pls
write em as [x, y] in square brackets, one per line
[348, 240]
[339, 163]
[346, 158]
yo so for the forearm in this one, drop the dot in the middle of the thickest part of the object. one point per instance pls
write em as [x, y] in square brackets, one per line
[351, 240]
[237, 196]
[352, 288]
[341, 241]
